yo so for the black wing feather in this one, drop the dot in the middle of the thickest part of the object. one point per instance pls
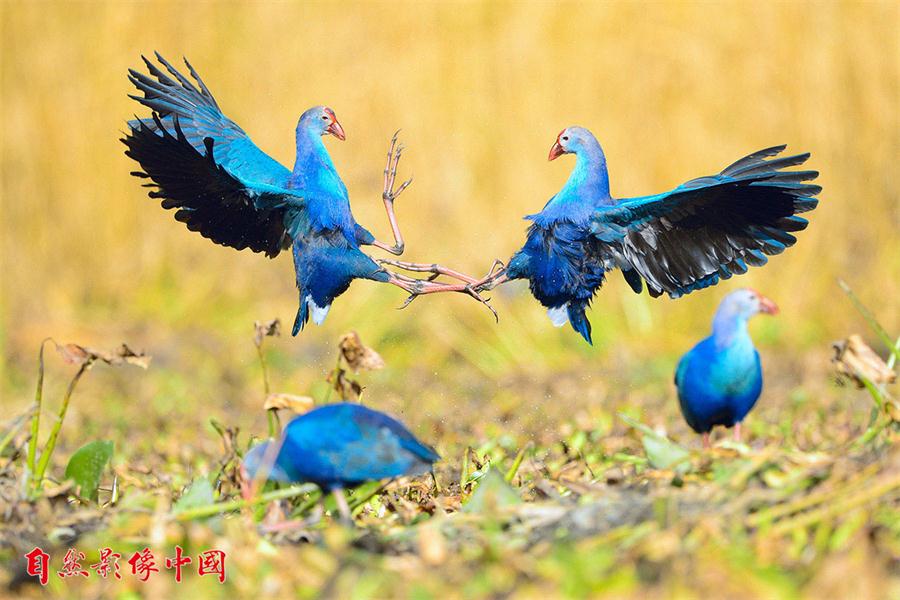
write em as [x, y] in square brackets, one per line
[205, 196]
[710, 228]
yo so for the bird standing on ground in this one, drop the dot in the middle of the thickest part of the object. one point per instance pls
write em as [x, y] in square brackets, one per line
[719, 380]
[338, 446]
[683, 240]
[223, 186]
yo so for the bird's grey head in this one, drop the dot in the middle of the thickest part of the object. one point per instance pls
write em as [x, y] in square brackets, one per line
[321, 120]
[574, 139]
[263, 457]
[747, 302]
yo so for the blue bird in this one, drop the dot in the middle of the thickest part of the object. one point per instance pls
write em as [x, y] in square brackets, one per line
[203, 165]
[341, 445]
[683, 240]
[719, 380]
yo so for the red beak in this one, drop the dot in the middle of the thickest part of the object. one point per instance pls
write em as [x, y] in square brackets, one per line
[336, 130]
[766, 306]
[556, 150]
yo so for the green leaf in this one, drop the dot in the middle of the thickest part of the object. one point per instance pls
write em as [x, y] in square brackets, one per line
[199, 493]
[492, 493]
[86, 466]
[662, 452]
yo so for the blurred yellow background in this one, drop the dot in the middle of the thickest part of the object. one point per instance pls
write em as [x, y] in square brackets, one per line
[673, 91]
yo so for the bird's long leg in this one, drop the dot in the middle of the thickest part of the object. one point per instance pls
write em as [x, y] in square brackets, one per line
[343, 507]
[432, 268]
[493, 277]
[706, 442]
[389, 194]
[737, 432]
[420, 287]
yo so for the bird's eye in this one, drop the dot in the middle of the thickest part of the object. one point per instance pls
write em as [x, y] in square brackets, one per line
[565, 138]
[325, 117]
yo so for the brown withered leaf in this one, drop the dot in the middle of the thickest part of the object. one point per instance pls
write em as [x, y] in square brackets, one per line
[264, 329]
[855, 360]
[84, 356]
[348, 389]
[358, 356]
[296, 404]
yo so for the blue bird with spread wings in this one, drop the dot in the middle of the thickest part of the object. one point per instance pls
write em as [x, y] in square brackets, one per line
[687, 239]
[221, 185]
[720, 379]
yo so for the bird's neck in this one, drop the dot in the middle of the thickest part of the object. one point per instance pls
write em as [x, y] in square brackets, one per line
[590, 178]
[586, 189]
[312, 160]
[730, 329]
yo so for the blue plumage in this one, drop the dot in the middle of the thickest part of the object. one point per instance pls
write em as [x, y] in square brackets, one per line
[222, 185]
[720, 379]
[342, 445]
[687, 239]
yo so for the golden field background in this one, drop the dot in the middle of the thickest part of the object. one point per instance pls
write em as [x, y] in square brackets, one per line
[673, 91]
[480, 90]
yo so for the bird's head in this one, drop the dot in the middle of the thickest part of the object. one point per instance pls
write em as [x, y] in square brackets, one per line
[572, 140]
[321, 120]
[748, 302]
[263, 457]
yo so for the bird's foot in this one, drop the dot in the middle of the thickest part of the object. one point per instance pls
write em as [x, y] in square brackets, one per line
[389, 194]
[495, 277]
[420, 287]
[435, 269]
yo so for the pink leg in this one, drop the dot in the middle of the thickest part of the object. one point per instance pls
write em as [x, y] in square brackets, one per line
[433, 268]
[343, 507]
[737, 432]
[706, 442]
[420, 287]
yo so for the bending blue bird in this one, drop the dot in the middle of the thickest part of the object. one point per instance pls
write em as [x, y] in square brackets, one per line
[687, 239]
[719, 380]
[203, 165]
[342, 445]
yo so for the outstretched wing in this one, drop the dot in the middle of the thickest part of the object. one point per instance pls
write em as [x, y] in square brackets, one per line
[206, 195]
[710, 228]
[175, 96]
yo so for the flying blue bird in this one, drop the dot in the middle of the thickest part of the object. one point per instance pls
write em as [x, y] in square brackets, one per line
[719, 380]
[341, 445]
[683, 240]
[203, 165]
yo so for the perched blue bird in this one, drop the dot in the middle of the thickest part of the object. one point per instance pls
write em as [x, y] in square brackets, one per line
[720, 379]
[689, 238]
[223, 186]
[341, 445]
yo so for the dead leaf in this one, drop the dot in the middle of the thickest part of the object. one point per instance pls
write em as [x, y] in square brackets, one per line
[358, 356]
[855, 360]
[297, 404]
[264, 329]
[84, 356]
[348, 389]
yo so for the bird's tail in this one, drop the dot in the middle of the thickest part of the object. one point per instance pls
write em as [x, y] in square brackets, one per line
[302, 314]
[579, 321]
